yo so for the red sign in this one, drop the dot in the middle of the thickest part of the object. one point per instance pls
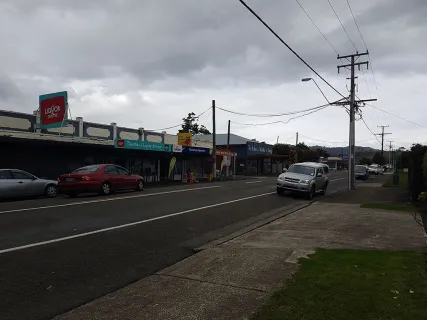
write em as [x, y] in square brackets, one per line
[52, 110]
[120, 143]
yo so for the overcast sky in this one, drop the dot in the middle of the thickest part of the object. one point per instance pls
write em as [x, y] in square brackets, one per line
[147, 63]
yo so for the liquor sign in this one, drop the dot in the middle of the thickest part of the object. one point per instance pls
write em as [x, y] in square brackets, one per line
[53, 109]
[142, 145]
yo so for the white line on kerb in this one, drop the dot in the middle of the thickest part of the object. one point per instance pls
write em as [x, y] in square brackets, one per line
[36, 244]
[107, 199]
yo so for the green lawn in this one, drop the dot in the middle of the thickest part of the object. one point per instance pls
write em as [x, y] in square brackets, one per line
[403, 180]
[389, 206]
[353, 284]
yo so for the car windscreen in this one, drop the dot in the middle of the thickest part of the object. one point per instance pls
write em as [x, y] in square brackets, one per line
[92, 168]
[309, 171]
[360, 169]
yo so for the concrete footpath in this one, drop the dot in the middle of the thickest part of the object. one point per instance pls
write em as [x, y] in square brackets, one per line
[232, 279]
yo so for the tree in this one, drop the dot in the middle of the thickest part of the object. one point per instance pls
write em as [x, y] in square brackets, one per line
[365, 161]
[281, 149]
[190, 125]
[378, 158]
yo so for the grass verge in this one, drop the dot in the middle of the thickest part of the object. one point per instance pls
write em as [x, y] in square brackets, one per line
[389, 206]
[352, 284]
[403, 180]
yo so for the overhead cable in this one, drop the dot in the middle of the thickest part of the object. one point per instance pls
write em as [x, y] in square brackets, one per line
[292, 50]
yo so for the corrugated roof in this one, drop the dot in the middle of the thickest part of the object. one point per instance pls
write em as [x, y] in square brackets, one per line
[221, 139]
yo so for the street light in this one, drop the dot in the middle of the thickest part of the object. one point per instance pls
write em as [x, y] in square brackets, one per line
[308, 79]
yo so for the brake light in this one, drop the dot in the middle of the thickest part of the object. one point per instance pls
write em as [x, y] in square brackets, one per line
[86, 178]
[58, 179]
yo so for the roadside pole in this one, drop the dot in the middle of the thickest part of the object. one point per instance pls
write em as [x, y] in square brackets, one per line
[213, 140]
[351, 101]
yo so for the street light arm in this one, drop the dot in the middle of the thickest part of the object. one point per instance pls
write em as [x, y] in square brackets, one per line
[320, 90]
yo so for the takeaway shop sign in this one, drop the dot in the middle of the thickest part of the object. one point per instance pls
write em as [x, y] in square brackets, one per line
[196, 150]
[142, 145]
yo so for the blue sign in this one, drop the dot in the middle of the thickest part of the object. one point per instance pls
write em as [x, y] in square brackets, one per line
[259, 148]
[142, 145]
[196, 150]
[345, 157]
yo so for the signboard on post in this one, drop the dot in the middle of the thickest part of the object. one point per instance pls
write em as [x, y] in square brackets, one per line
[53, 109]
[185, 138]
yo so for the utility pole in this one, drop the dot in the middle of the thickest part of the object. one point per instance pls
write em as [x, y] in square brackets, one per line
[382, 134]
[390, 155]
[228, 135]
[214, 139]
[296, 140]
[353, 107]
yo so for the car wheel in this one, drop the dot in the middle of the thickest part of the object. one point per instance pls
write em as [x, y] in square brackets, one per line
[280, 191]
[51, 191]
[311, 193]
[140, 185]
[106, 189]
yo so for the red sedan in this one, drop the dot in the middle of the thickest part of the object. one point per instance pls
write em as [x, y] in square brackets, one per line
[100, 178]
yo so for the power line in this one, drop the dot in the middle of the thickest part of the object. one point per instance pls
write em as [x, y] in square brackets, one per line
[318, 29]
[342, 25]
[281, 121]
[284, 43]
[179, 125]
[354, 18]
[267, 115]
[370, 130]
[399, 117]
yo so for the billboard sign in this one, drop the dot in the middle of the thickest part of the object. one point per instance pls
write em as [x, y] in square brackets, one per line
[185, 138]
[53, 109]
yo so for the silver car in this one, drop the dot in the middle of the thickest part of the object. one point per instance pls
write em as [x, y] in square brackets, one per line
[18, 183]
[306, 177]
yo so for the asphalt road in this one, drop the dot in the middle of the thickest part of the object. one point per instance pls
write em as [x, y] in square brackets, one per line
[57, 254]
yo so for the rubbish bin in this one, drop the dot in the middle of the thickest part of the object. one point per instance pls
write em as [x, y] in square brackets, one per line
[395, 179]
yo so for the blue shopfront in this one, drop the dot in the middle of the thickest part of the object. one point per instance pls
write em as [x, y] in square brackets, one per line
[152, 160]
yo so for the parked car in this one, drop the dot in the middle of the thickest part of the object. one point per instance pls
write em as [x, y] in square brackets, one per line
[374, 169]
[19, 183]
[99, 178]
[305, 177]
[361, 172]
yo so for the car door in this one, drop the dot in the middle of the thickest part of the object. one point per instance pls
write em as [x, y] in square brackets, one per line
[26, 183]
[8, 187]
[320, 181]
[111, 174]
[127, 179]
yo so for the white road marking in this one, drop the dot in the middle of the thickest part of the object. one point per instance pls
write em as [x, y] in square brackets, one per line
[36, 244]
[258, 181]
[338, 179]
[107, 199]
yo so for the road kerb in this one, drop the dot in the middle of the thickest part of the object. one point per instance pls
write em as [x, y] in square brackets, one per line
[275, 215]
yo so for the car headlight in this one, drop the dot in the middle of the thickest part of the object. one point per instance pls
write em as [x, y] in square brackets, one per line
[281, 178]
[304, 181]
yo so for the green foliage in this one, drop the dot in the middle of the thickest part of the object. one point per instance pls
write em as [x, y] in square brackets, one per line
[281, 149]
[190, 125]
[365, 161]
[378, 158]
